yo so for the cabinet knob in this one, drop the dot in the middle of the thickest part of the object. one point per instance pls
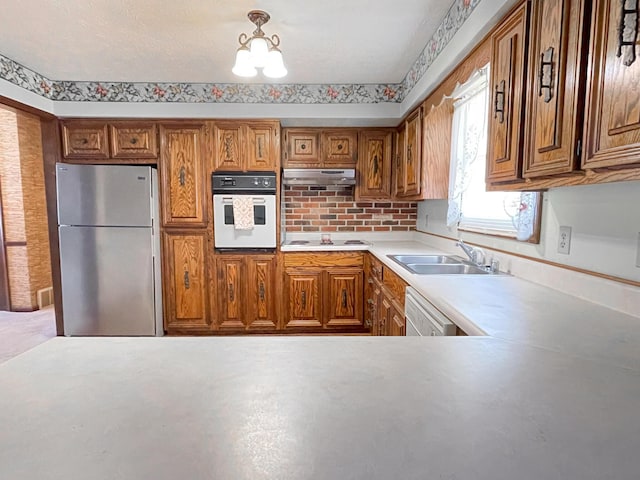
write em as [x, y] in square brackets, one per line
[133, 140]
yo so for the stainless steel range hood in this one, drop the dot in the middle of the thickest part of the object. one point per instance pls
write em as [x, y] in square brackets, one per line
[319, 176]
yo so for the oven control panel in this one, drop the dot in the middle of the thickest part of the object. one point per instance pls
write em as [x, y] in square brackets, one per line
[230, 182]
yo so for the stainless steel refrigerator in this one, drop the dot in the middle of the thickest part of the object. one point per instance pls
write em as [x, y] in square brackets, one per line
[109, 249]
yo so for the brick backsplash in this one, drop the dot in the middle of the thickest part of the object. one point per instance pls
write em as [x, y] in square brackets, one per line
[334, 209]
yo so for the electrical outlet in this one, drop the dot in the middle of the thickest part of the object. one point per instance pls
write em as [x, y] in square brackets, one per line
[564, 240]
[638, 252]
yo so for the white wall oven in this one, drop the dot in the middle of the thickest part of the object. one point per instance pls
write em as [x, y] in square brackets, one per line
[244, 210]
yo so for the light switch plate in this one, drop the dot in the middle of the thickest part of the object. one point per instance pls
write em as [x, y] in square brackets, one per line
[564, 240]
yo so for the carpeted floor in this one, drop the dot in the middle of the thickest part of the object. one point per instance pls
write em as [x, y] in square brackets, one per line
[20, 332]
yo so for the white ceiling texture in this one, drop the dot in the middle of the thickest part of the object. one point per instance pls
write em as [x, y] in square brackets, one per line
[323, 41]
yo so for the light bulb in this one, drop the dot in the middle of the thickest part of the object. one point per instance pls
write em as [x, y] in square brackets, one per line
[275, 66]
[243, 66]
[259, 52]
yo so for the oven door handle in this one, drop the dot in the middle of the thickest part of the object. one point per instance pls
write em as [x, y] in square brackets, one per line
[228, 200]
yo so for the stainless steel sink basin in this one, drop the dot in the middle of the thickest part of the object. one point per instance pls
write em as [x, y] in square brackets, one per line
[438, 265]
[444, 269]
[426, 259]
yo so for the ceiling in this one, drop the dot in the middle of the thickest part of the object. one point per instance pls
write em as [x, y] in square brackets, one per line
[323, 41]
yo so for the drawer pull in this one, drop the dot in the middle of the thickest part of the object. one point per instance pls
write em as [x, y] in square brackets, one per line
[498, 104]
[545, 75]
[628, 31]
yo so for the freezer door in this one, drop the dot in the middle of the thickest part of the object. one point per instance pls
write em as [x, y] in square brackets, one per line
[107, 195]
[107, 280]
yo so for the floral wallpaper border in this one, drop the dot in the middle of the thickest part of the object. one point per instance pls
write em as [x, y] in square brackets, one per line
[71, 91]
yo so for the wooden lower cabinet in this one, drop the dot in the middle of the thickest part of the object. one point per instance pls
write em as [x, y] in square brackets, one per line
[246, 292]
[343, 300]
[302, 298]
[323, 291]
[384, 300]
[185, 275]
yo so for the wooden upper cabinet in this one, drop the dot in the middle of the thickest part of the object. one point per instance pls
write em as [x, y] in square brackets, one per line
[374, 164]
[136, 140]
[555, 98]
[612, 120]
[302, 148]
[436, 149]
[185, 280]
[242, 146]
[315, 147]
[413, 154]
[228, 146]
[343, 305]
[506, 108]
[183, 182]
[303, 298]
[98, 141]
[262, 292]
[399, 161]
[230, 290]
[84, 139]
[340, 147]
[262, 147]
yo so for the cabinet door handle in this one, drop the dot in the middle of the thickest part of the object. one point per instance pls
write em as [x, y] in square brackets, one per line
[545, 75]
[261, 291]
[498, 104]
[344, 298]
[628, 31]
[303, 299]
[185, 280]
[182, 176]
[409, 157]
[370, 280]
[232, 295]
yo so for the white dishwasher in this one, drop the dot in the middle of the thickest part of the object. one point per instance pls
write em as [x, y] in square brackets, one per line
[423, 319]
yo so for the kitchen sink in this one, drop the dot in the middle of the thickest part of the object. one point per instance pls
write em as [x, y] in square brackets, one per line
[426, 259]
[446, 269]
[438, 265]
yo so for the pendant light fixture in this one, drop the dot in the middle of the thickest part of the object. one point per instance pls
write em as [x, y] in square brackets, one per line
[259, 51]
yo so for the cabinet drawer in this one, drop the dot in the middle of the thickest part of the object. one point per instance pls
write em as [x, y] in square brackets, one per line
[85, 140]
[324, 259]
[395, 285]
[133, 140]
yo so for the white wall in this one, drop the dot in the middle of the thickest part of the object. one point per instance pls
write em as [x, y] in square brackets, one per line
[605, 223]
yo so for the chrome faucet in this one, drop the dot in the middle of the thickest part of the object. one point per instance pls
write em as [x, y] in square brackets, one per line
[475, 254]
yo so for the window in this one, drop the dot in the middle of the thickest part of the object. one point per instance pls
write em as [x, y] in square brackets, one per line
[471, 207]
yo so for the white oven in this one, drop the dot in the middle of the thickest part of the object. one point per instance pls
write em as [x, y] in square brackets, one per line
[259, 190]
[423, 319]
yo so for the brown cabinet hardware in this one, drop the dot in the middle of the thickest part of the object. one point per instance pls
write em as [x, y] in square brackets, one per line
[344, 298]
[232, 296]
[546, 75]
[303, 299]
[628, 31]
[261, 291]
[498, 106]
[186, 280]
[182, 176]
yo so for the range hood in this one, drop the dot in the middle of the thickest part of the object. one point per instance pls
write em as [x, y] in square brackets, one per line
[319, 176]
